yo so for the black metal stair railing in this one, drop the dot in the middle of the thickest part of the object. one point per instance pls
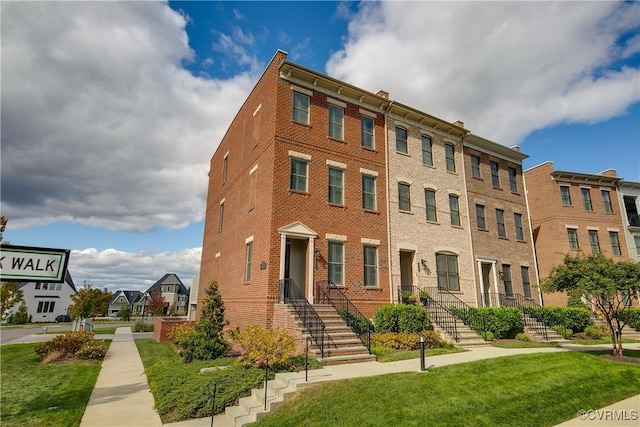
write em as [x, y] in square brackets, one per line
[467, 314]
[533, 314]
[290, 293]
[328, 293]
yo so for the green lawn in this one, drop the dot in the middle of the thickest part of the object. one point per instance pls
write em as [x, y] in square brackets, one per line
[541, 389]
[415, 354]
[523, 344]
[43, 395]
[605, 340]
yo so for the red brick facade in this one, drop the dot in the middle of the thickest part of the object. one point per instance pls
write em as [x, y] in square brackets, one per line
[552, 219]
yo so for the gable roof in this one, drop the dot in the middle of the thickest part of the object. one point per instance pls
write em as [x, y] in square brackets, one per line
[67, 279]
[168, 279]
[131, 296]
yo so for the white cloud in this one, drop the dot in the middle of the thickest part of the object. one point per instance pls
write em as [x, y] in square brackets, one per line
[101, 124]
[504, 68]
[131, 271]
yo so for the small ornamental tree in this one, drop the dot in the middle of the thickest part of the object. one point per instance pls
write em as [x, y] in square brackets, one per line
[90, 302]
[125, 312]
[611, 286]
[10, 295]
[156, 303]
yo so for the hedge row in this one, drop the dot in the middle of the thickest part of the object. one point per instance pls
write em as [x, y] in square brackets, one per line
[401, 318]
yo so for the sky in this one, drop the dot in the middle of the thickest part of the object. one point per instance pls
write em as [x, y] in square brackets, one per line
[111, 111]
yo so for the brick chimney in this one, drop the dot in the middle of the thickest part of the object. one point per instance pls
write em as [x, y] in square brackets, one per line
[383, 94]
[458, 123]
[609, 172]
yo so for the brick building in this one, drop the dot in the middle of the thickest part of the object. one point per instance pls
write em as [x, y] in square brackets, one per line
[503, 250]
[573, 212]
[297, 192]
[629, 199]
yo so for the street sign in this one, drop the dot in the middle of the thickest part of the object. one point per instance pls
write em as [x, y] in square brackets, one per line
[31, 264]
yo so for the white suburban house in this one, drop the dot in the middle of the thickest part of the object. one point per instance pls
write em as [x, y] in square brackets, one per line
[46, 301]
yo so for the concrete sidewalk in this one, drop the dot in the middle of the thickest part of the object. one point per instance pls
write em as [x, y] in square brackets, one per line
[121, 396]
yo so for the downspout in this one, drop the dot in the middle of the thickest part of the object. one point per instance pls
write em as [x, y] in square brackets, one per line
[533, 246]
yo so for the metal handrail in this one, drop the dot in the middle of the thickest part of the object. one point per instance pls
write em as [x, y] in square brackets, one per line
[533, 314]
[291, 294]
[327, 292]
[458, 308]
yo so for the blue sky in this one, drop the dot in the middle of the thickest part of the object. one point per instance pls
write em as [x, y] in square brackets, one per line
[111, 111]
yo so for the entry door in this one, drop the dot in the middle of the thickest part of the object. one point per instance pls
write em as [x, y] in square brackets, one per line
[406, 270]
[295, 265]
[486, 283]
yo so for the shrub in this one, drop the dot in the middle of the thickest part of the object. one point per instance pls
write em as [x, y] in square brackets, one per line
[259, 345]
[490, 336]
[142, 326]
[71, 345]
[576, 319]
[401, 318]
[406, 341]
[631, 317]
[561, 330]
[21, 316]
[593, 332]
[180, 332]
[522, 337]
[407, 297]
[358, 324]
[502, 322]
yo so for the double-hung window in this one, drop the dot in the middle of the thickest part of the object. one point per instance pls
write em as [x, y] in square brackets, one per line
[404, 197]
[298, 175]
[512, 180]
[615, 243]
[506, 278]
[450, 157]
[336, 116]
[366, 132]
[454, 208]
[517, 218]
[370, 257]
[430, 204]
[480, 218]
[368, 192]
[572, 235]
[565, 195]
[336, 186]
[336, 262]
[500, 222]
[427, 155]
[606, 201]
[526, 283]
[495, 174]
[401, 140]
[475, 166]
[300, 108]
[221, 216]
[586, 199]
[594, 241]
[247, 264]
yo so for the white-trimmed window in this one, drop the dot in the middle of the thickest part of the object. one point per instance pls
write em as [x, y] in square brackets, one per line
[427, 155]
[225, 168]
[366, 132]
[480, 217]
[526, 282]
[636, 240]
[500, 223]
[221, 216]
[506, 278]
[301, 108]
[512, 180]
[430, 204]
[336, 186]
[404, 197]
[247, 263]
[368, 192]
[572, 235]
[401, 140]
[46, 306]
[336, 119]
[495, 174]
[370, 257]
[450, 157]
[615, 243]
[299, 174]
[565, 194]
[454, 207]
[336, 262]
[586, 199]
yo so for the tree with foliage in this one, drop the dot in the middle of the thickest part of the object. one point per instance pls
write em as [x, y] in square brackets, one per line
[90, 302]
[125, 312]
[21, 316]
[10, 295]
[206, 341]
[611, 286]
[3, 226]
[156, 303]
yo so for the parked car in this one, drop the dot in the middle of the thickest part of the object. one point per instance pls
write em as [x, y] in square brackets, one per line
[63, 318]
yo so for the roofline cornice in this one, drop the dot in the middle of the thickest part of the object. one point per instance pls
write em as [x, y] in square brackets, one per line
[486, 146]
[584, 178]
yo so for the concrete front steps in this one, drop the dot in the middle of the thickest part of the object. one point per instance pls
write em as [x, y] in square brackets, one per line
[341, 344]
[552, 336]
[467, 337]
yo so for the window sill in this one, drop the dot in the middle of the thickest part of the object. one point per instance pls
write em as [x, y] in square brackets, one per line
[403, 154]
[515, 193]
[486, 230]
[307, 125]
[370, 211]
[371, 149]
[457, 226]
[497, 188]
[478, 178]
[338, 140]
[303, 193]
[452, 172]
[521, 241]
[405, 212]
[336, 205]
[428, 166]
[502, 238]
[432, 222]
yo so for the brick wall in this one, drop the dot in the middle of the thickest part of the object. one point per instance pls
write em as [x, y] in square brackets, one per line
[162, 328]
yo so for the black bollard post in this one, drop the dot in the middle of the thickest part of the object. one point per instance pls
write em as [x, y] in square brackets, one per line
[422, 353]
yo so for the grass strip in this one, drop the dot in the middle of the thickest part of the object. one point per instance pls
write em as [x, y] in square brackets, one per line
[541, 389]
[35, 395]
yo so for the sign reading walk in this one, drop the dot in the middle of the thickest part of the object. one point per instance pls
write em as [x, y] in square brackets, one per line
[30, 264]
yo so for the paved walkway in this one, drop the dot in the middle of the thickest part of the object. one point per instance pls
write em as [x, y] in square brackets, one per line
[121, 397]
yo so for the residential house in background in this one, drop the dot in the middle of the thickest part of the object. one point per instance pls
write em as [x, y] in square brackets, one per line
[121, 299]
[503, 250]
[46, 301]
[629, 200]
[171, 288]
[573, 212]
